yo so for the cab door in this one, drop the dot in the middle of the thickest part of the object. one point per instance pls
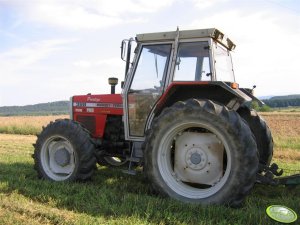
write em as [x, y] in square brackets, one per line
[145, 84]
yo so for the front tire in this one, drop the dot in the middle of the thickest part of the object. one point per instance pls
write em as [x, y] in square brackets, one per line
[199, 151]
[64, 152]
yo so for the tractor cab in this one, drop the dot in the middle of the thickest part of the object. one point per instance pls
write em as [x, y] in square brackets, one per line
[172, 66]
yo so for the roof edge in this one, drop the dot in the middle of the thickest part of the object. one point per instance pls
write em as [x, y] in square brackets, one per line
[213, 33]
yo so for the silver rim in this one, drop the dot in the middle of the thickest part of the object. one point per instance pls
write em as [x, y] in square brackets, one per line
[115, 161]
[58, 158]
[165, 161]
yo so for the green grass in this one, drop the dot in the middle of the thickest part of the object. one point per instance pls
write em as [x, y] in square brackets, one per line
[287, 142]
[113, 197]
[287, 109]
[20, 129]
[26, 125]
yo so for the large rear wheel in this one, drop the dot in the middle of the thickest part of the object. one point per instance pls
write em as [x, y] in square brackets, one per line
[262, 133]
[64, 152]
[199, 151]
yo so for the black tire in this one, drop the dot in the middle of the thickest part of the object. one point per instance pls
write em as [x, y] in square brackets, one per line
[64, 151]
[261, 132]
[202, 117]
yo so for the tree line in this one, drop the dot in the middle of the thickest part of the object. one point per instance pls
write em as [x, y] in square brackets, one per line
[50, 108]
[283, 101]
[62, 107]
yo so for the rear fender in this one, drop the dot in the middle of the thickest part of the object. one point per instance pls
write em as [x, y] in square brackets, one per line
[216, 91]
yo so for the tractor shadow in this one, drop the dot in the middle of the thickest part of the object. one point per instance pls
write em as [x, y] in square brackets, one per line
[109, 192]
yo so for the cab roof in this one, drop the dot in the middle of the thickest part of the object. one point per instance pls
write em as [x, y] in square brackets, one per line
[188, 34]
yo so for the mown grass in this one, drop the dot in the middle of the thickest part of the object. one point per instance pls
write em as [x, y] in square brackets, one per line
[25, 125]
[116, 198]
[17, 129]
[287, 109]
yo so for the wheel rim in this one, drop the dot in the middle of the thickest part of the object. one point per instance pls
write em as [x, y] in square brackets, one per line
[115, 161]
[58, 158]
[166, 166]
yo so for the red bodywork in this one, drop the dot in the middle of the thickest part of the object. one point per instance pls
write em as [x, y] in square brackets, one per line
[92, 111]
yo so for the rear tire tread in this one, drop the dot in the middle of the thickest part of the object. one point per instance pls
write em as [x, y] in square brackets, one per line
[245, 179]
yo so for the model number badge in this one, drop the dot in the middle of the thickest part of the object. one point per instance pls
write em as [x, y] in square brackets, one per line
[90, 110]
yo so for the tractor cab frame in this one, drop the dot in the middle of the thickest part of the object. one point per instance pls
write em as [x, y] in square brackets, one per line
[172, 66]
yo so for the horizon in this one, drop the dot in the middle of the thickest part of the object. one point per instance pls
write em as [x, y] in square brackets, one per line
[259, 97]
[52, 50]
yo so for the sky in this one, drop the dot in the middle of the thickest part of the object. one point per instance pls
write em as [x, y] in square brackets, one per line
[51, 50]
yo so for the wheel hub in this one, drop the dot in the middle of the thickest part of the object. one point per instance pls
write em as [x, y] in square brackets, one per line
[198, 158]
[195, 158]
[62, 157]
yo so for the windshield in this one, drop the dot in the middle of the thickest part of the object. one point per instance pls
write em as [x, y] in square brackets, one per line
[223, 64]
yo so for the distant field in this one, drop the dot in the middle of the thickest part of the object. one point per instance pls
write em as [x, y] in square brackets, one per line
[285, 129]
[287, 109]
[25, 124]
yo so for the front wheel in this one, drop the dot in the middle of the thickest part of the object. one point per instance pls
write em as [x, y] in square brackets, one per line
[64, 152]
[199, 151]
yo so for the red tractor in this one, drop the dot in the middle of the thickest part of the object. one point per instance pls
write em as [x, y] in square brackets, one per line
[181, 116]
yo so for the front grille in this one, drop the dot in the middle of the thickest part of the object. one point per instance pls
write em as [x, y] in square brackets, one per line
[89, 122]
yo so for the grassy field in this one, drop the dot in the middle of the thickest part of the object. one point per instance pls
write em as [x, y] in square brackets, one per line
[25, 124]
[116, 198]
[285, 128]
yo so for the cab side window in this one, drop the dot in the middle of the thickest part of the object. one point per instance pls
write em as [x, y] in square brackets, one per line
[193, 62]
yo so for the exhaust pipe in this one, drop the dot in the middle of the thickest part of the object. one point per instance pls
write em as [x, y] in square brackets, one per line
[113, 81]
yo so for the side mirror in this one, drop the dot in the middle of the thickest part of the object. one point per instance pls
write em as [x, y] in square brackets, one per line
[123, 50]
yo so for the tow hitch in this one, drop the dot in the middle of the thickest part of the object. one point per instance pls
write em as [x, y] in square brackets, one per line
[271, 175]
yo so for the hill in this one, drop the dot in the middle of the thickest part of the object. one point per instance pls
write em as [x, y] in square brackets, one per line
[62, 107]
[283, 101]
[285, 97]
[50, 108]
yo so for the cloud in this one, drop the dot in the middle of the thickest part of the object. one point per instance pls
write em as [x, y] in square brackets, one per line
[24, 57]
[267, 50]
[117, 8]
[33, 62]
[94, 14]
[111, 62]
[9, 34]
[204, 4]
